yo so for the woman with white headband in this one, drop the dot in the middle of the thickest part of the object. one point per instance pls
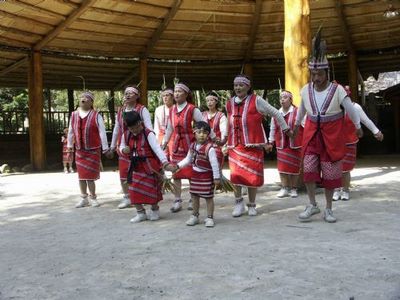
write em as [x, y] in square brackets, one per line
[131, 99]
[161, 116]
[89, 133]
[179, 128]
[246, 138]
[288, 150]
[217, 121]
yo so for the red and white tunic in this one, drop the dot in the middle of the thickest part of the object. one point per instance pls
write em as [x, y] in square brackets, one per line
[288, 149]
[161, 117]
[323, 138]
[205, 168]
[246, 136]
[88, 131]
[120, 129]
[218, 124]
[67, 156]
[146, 159]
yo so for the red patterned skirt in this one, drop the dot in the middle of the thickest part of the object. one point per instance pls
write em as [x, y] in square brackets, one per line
[247, 166]
[186, 172]
[68, 157]
[123, 165]
[202, 184]
[145, 188]
[349, 160]
[289, 161]
[88, 164]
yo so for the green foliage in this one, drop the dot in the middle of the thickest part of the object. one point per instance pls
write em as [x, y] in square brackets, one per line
[13, 99]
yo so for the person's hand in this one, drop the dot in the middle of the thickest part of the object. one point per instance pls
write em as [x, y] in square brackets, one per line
[163, 146]
[170, 167]
[69, 149]
[290, 133]
[224, 151]
[359, 132]
[126, 150]
[220, 142]
[379, 136]
[109, 154]
[268, 148]
[295, 130]
[217, 183]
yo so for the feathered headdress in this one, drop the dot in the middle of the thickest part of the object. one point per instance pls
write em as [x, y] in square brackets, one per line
[318, 58]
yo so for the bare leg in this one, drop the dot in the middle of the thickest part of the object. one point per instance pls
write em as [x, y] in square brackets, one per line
[210, 207]
[178, 184]
[196, 204]
[284, 180]
[294, 181]
[252, 194]
[83, 187]
[92, 187]
[124, 186]
[139, 208]
[346, 177]
[328, 197]
[238, 192]
[311, 192]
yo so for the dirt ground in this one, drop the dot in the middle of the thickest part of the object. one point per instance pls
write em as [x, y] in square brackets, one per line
[50, 250]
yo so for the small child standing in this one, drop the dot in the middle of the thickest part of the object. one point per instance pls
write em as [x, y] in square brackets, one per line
[205, 173]
[146, 161]
[67, 155]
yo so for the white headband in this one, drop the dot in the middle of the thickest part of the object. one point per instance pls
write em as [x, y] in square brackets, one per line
[287, 94]
[241, 79]
[132, 89]
[182, 86]
[167, 91]
[88, 95]
[212, 97]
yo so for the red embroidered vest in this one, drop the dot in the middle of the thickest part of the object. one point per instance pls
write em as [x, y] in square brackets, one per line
[120, 119]
[200, 158]
[281, 139]
[182, 125]
[86, 130]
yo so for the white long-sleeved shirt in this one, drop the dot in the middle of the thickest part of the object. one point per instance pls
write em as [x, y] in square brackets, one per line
[320, 98]
[100, 125]
[365, 120]
[146, 118]
[212, 156]
[272, 126]
[161, 117]
[223, 122]
[151, 138]
[197, 116]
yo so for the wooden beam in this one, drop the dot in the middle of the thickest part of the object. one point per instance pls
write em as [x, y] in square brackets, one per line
[124, 82]
[296, 46]
[111, 106]
[157, 34]
[43, 11]
[253, 31]
[351, 52]
[14, 66]
[64, 24]
[143, 81]
[71, 102]
[36, 121]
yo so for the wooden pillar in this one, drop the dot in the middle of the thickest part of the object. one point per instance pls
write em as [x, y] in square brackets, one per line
[111, 107]
[71, 104]
[143, 81]
[352, 70]
[36, 122]
[296, 46]
[248, 70]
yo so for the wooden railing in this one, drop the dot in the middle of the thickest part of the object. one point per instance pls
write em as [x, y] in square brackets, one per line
[16, 122]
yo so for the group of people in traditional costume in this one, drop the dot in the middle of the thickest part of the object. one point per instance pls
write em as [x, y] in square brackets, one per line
[189, 143]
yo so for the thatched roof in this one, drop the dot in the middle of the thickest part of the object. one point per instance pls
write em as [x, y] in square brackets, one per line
[213, 37]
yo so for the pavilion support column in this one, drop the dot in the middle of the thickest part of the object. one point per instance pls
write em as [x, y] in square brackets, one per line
[36, 121]
[248, 70]
[111, 107]
[353, 75]
[296, 46]
[71, 106]
[143, 81]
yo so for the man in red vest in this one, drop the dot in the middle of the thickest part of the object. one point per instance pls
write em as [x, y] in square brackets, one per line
[324, 144]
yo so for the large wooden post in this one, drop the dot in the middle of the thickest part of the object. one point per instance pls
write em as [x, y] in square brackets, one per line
[353, 75]
[248, 70]
[143, 81]
[296, 46]
[71, 104]
[111, 107]
[36, 122]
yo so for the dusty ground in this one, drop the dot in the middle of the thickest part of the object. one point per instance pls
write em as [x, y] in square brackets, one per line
[50, 250]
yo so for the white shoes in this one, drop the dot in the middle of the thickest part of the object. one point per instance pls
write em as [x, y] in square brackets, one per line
[345, 196]
[284, 192]
[328, 216]
[337, 194]
[193, 220]
[209, 222]
[153, 215]
[252, 211]
[293, 193]
[140, 217]
[65, 170]
[71, 170]
[239, 209]
[125, 202]
[310, 210]
[94, 203]
[82, 203]
[177, 206]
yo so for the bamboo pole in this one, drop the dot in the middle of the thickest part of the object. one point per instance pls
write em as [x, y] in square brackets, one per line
[296, 46]
[143, 81]
[36, 121]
